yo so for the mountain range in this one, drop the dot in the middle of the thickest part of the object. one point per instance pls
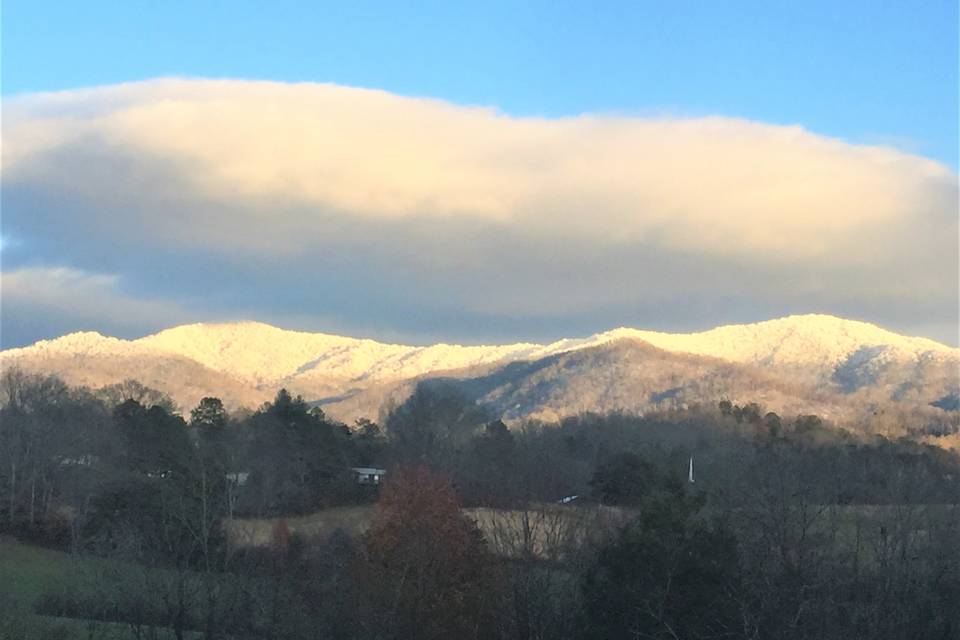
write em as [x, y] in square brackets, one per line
[843, 369]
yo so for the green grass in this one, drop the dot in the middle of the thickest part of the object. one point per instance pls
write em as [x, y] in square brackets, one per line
[28, 572]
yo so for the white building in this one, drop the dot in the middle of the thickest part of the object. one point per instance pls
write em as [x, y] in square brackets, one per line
[368, 475]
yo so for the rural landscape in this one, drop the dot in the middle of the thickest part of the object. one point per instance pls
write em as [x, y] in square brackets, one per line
[462, 507]
[619, 320]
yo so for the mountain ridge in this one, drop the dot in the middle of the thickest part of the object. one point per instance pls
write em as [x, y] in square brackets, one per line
[251, 348]
[246, 362]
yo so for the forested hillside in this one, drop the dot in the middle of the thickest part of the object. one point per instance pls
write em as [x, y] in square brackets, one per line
[722, 521]
[853, 372]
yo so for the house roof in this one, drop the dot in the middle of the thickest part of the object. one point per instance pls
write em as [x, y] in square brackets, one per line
[370, 471]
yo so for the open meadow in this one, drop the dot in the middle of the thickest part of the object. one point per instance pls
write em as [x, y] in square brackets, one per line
[32, 578]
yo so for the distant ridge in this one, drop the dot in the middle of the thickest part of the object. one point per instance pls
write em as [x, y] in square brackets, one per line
[793, 340]
[263, 352]
[253, 359]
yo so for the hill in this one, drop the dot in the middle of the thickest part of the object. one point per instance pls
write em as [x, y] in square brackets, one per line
[809, 363]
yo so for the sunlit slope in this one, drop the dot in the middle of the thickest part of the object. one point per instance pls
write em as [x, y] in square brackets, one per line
[803, 340]
[631, 375]
[245, 362]
[263, 352]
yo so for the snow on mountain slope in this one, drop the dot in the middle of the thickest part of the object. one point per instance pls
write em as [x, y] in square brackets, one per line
[803, 340]
[80, 344]
[263, 352]
[264, 355]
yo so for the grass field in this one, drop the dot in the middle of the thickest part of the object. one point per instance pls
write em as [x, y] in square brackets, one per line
[28, 572]
[538, 530]
[257, 532]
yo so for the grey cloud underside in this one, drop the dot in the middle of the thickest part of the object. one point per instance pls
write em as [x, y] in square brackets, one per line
[101, 204]
[439, 279]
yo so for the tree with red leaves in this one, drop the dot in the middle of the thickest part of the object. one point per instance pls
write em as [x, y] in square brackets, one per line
[426, 571]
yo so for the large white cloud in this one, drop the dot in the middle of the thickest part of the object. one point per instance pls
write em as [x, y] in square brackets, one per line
[471, 207]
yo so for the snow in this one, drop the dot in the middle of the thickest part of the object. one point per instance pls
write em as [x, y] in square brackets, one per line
[263, 353]
[795, 340]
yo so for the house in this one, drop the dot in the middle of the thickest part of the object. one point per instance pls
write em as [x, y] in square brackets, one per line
[368, 475]
[83, 461]
[239, 478]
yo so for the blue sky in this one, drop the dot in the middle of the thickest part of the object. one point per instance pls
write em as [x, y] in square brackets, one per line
[864, 71]
[477, 173]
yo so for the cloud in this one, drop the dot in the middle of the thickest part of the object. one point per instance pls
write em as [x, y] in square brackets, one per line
[60, 300]
[431, 208]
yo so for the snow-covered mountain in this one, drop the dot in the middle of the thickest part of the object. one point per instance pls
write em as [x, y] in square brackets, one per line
[806, 340]
[250, 360]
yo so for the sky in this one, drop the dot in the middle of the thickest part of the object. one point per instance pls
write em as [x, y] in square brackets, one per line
[477, 173]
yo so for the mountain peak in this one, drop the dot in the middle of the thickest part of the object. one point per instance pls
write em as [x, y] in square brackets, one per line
[801, 340]
[78, 340]
[259, 352]
[77, 344]
[246, 362]
[249, 349]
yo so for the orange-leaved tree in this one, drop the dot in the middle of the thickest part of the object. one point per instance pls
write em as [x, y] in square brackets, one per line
[426, 571]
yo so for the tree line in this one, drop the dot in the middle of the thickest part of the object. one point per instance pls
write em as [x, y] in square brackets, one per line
[590, 528]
